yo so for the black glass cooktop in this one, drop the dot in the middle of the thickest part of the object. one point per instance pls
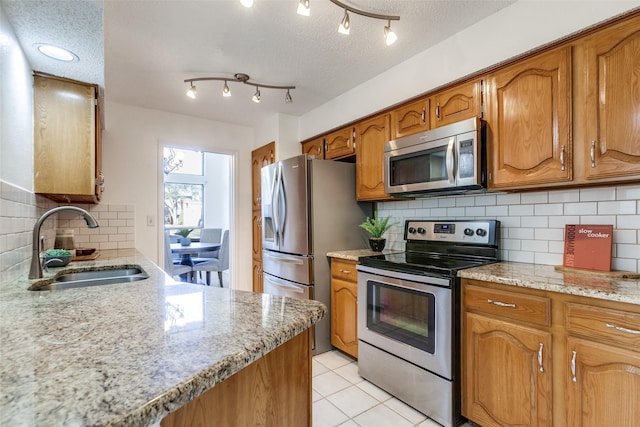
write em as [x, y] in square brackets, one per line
[420, 263]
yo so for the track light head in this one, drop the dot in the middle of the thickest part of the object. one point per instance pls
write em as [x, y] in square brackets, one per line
[303, 8]
[256, 96]
[246, 3]
[287, 97]
[390, 36]
[191, 93]
[226, 92]
[345, 24]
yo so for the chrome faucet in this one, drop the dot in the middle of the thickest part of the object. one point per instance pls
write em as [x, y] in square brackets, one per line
[36, 262]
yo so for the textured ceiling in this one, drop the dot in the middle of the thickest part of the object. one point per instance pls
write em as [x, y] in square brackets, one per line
[150, 47]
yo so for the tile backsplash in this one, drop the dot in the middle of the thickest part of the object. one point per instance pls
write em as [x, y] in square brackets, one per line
[19, 210]
[532, 223]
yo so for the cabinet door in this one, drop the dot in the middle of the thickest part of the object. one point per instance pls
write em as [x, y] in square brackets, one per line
[339, 144]
[603, 385]
[315, 147]
[506, 373]
[256, 228]
[344, 323]
[613, 102]
[260, 157]
[458, 103]
[410, 119]
[257, 275]
[370, 138]
[529, 117]
[65, 144]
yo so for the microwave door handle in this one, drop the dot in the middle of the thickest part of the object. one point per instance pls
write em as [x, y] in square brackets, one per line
[450, 161]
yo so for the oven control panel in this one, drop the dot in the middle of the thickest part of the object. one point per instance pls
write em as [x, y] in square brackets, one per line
[453, 231]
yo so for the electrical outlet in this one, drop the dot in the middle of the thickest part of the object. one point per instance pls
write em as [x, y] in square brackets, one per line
[151, 221]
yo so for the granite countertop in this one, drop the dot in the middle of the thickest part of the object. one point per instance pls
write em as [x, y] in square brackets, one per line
[356, 254]
[545, 277]
[130, 353]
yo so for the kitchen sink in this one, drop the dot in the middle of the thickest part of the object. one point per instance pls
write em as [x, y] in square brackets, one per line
[84, 278]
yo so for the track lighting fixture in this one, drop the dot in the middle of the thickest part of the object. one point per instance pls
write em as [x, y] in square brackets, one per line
[303, 8]
[239, 78]
[256, 96]
[345, 24]
[191, 93]
[246, 3]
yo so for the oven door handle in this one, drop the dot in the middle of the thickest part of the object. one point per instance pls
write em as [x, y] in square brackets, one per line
[451, 161]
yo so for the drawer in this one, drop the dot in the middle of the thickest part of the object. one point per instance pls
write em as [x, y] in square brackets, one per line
[528, 308]
[344, 270]
[616, 326]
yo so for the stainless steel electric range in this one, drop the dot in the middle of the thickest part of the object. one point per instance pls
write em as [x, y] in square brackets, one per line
[409, 313]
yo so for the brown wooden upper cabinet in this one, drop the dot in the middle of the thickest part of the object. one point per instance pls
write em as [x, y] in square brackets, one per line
[315, 147]
[339, 144]
[458, 103]
[67, 140]
[410, 118]
[370, 137]
[529, 122]
[260, 157]
[612, 115]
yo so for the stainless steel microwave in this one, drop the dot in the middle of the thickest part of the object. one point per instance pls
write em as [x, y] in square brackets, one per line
[447, 160]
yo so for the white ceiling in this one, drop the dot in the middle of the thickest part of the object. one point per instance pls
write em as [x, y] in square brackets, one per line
[151, 46]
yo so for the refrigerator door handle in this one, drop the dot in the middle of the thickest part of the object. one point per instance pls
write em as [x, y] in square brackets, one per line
[283, 259]
[283, 284]
[274, 204]
[282, 203]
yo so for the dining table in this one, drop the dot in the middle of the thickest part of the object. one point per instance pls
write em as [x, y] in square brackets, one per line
[195, 247]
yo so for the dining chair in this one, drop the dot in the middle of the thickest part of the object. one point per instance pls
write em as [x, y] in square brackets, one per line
[172, 266]
[219, 264]
[210, 235]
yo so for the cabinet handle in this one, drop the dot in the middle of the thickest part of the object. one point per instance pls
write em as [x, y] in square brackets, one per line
[319, 149]
[573, 367]
[345, 271]
[592, 154]
[438, 111]
[540, 357]
[623, 329]
[423, 115]
[501, 304]
[562, 158]
[101, 181]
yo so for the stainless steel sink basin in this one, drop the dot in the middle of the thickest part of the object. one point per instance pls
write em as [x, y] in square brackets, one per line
[80, 279]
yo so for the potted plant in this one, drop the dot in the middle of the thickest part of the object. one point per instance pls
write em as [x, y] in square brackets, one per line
[184, 232]
[376, 227]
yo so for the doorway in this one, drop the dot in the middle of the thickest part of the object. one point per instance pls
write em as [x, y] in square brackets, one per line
[197, 197]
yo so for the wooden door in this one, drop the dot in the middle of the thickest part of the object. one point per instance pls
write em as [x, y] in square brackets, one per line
[315, 147]
[260, 157]
[371, 135]
[604, 387]
[506, 373]
[612, 116]
[410, 119]
[339, 144]
[529, 118]
[458, 103]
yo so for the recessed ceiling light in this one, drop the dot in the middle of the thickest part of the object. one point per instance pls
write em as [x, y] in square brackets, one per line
[56, 52]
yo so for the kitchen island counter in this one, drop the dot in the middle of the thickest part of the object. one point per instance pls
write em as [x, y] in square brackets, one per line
[131, 353]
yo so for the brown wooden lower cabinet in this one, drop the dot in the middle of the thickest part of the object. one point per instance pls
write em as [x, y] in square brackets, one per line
[272, 391]
[576, 366]
[344, 306]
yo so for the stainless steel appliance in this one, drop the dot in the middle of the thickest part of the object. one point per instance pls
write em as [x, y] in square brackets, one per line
[308, 209]
[446, 160]
[409, 313]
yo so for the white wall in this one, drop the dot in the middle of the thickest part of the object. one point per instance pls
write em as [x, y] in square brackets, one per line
[283, 129]
[132, 167]
[16, 110]
[523, 26]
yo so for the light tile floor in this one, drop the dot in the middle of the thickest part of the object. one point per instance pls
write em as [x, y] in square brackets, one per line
[342, 398]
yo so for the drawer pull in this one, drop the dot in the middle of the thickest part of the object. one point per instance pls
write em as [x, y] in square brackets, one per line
[501, 304]
[345, 271]
[573, 367]
[622, 329]
[540, 357]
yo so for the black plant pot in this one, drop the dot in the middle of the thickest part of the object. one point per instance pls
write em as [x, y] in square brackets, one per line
[377, 244]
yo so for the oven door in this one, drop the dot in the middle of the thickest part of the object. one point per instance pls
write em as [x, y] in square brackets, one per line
[409, 316]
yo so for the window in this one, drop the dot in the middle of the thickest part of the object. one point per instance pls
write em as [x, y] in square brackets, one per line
[183, 188]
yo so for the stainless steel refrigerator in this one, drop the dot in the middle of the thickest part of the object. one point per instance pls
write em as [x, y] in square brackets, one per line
[309, 208]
